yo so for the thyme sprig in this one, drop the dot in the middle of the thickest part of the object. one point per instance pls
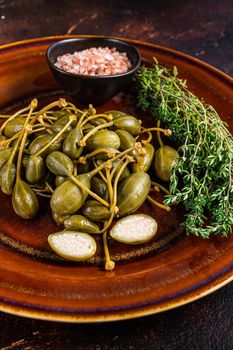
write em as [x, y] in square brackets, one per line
[202, 178]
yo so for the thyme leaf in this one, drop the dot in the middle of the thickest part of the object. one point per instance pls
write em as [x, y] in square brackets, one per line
[202, 178]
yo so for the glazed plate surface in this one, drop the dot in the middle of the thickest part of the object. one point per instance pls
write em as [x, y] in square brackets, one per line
[160, 275]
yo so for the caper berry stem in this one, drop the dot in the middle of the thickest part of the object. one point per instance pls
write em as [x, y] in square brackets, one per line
[72, 117]
[75, 172]
[44, 194]
[59, 103]
[109, 264]
[20, 155]
[123, 166]
[6, 116]
[14, 150]
[161, 187]
[83, 141]
[97, 169]
[115, 168]
[84, 114]
[92, 117]
[122, 158]
[87, 127]
[73, 107]
[108, 223]
[166, 132]
[17, 114]
[86, 189]
[102, 166]
[155, 189]
[110, 154]
[109, 184]
[6, 143]
[100, 172]
[114, 208]
[123, 153]
[160, 205]
[23, 136]
[91, 109]
[50, 117]
[149, 138]
[42, 122]
[49, 187]
[140, 159]
[35, 189]
[36, 130]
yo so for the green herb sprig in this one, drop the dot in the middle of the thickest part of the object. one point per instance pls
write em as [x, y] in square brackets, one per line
[202, 177]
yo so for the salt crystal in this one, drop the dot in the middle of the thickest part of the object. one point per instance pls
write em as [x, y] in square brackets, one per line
[95, 61]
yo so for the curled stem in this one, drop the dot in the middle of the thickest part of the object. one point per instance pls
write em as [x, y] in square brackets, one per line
[83, 141]
[102, 115]
[149, 138]
[73, 107]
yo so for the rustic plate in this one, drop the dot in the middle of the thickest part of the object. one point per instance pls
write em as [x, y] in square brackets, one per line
[171, 271]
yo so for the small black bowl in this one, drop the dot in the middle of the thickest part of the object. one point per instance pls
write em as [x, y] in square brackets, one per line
[92, 89]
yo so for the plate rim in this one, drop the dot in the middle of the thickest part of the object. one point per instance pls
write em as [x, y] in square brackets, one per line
[133, 312]
[126, 315]
[212, 69]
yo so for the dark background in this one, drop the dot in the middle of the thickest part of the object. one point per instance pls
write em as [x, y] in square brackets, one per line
[203, 29]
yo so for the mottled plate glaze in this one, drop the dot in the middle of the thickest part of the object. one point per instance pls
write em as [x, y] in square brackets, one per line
[170, 271]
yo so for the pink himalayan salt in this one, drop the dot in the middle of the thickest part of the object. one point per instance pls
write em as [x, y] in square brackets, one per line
[95, 61]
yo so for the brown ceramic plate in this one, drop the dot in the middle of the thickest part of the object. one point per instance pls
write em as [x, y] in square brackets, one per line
[170, 271]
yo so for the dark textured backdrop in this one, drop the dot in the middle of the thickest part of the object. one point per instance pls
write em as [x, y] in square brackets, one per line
[203, 29]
